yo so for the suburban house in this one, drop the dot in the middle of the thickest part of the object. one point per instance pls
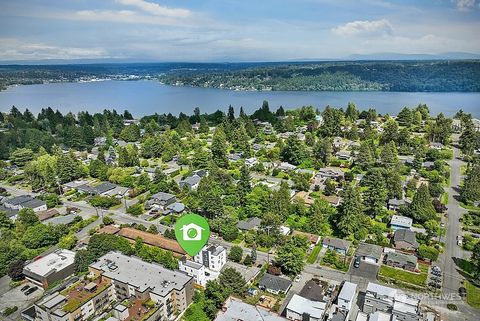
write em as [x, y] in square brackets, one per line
[191, 182]
[286, 167]
[404, 261]
[104, 189]
[346, 296]
[305, 197]
[369, 253]
[332, 199]
[396, 302]
[161, 199]
[25, 201]
[252, 161]
[395, 204]
[249, 224]
[193, 269]
[51, 268]
[312, 238]
[404, 239]
[300, 308]
[400, 222]
[344, 155]
[274, 284]
[331, 172]
[10, 213]
[335, 244]
[437, 146]
[235, 309]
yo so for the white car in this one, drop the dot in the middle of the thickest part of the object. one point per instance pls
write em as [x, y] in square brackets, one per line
[459, 242]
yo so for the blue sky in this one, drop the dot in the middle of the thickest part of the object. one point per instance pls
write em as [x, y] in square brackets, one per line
[234, 30]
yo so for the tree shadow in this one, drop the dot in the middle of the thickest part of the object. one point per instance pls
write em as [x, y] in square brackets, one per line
[461, 266]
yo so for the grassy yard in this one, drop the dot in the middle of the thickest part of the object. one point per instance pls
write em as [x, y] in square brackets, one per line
[312, 258]
[417, 279]
[473, 295]
[423, 267]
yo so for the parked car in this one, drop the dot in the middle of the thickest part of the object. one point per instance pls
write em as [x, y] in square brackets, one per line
[356, 264]
[31, 290]
[442, 224]
[297, 278]
[25, 287]
[459, 242]
[462, 291]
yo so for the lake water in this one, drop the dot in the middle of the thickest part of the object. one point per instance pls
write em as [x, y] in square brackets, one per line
[149, 97]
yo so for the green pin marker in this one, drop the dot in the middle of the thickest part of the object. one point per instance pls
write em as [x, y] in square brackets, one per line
[192, 232]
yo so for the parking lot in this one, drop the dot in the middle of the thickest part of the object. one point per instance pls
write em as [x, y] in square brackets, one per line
[365, 270]
[15, 297]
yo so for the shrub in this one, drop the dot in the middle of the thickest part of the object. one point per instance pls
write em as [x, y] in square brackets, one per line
[136, 209]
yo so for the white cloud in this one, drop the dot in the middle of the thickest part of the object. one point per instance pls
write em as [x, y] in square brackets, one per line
[464, 5]
[364, 28]
[156, 9]
[14, 49]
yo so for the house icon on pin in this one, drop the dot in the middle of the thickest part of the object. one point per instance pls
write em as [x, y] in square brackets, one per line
[192, 232]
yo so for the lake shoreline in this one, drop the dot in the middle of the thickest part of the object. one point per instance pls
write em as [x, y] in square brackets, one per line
[149, 96]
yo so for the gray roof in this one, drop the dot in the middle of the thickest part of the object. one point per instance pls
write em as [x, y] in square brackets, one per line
[366, 249]
[274, 283]
[405, 236]
[10, 212]
[161, 196]
[191, 180]
[104, 187]
[65, 219]
[401, 258]
[249, 224]
[19, 200]
[336, 243]
[133, 271]
[86, 189]
[312, 291]
[396, 202]
[34, 203]
[236, 310]
[176, 207]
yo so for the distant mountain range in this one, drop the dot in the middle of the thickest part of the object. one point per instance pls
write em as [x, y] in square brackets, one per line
[353, 57]
[399, 56]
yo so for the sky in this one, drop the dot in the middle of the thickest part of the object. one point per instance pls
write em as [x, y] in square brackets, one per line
[234, 30]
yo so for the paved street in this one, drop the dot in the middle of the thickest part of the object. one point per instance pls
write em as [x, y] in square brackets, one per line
[451, 277]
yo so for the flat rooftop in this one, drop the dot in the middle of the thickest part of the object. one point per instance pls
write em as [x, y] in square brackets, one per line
[52, 262]
[234, 310]
[140, 274]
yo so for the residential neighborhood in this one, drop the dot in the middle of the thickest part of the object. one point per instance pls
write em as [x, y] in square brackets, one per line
[314, 215]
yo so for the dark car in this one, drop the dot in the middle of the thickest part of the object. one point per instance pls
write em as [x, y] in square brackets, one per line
[31, 290]
[356, 264]
[462, 291]
[24, 288]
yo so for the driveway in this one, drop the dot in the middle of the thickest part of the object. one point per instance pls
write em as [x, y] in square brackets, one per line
[15, 297]
[365, 270]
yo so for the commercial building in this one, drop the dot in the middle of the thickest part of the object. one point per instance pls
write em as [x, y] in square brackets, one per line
[147, 291]
[396, 302]
[50, 268]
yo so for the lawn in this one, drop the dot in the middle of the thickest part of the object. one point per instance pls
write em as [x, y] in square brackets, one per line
[423, 267]
[417, 279]
[473, 295]
[312, 258]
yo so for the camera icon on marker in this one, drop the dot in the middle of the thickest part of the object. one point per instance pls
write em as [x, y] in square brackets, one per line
[192, 232]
